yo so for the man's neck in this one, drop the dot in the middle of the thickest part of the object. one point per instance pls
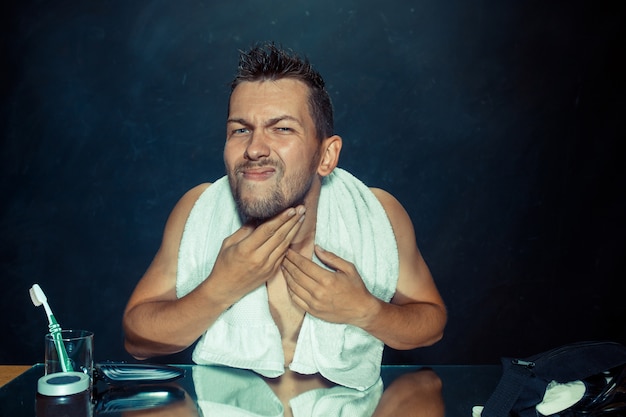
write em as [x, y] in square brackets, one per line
[304, 240]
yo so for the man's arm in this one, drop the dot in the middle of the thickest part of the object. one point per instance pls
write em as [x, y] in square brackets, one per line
[156, 322]
[416, 315]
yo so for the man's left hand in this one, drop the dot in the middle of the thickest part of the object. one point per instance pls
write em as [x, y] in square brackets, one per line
[337, 296]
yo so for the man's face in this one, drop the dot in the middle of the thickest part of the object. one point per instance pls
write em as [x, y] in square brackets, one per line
[271, 152]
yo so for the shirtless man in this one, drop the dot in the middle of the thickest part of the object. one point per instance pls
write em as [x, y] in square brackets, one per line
[279, 146]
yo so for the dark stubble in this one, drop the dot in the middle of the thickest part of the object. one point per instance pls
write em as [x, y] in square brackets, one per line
[284, 192]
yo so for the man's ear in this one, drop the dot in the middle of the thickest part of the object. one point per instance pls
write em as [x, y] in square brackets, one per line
[331, 148]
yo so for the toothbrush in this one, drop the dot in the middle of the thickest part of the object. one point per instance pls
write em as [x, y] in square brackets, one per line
[38, 297]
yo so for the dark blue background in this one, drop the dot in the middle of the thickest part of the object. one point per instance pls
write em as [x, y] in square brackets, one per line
[498, 124]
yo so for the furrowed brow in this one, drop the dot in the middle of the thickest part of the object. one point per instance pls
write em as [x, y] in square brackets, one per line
[276, 120]
[271, 122]
[239, 121]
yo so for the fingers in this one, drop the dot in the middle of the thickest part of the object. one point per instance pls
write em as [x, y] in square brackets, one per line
[240, 234]
[274, 232]
[298, 271]
[300, 266]
[267, 244]
[279, 239]
[318, 291]
[331, 260]
[280, 227]
[297, 292]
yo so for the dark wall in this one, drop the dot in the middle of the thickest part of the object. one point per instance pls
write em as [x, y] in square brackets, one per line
[497, 124]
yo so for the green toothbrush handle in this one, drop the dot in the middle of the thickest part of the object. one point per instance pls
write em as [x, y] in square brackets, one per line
[55, 330]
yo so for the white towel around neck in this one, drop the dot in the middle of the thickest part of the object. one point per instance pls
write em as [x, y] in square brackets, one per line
[351, 223]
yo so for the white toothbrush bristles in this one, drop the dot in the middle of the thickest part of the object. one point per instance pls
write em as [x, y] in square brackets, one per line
[38, 298]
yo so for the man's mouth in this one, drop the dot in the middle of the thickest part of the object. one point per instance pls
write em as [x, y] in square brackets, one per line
[257, 174]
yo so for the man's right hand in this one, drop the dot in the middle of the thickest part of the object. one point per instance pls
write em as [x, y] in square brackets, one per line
[156, 322]
[252, 255]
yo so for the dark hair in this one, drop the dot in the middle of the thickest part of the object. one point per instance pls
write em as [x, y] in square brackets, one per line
[268, 62]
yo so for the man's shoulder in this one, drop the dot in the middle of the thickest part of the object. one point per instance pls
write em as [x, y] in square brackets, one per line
[193, 194]
[206, 196]
[394, 209]
[383, 196]
[189, 199]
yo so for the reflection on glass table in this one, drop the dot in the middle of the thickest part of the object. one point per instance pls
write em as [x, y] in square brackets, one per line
[217, 391]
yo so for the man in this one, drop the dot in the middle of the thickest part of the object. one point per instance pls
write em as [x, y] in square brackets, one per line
[290, 267]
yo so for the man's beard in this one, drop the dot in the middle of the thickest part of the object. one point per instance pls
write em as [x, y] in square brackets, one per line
[258, 209]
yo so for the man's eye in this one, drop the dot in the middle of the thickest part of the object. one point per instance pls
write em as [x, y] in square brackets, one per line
[240, 131]
[284, 129]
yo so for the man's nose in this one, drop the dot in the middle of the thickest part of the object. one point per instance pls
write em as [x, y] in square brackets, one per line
[257, 146]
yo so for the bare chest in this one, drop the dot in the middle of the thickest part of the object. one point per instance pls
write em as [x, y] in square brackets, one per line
[286, 314]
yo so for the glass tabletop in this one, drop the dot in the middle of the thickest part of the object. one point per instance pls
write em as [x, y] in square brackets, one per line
[218, 391]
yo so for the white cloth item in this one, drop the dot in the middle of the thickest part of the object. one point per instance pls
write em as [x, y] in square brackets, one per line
[558, 397]
[337, 402]
[351, 223]
[230, 392]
